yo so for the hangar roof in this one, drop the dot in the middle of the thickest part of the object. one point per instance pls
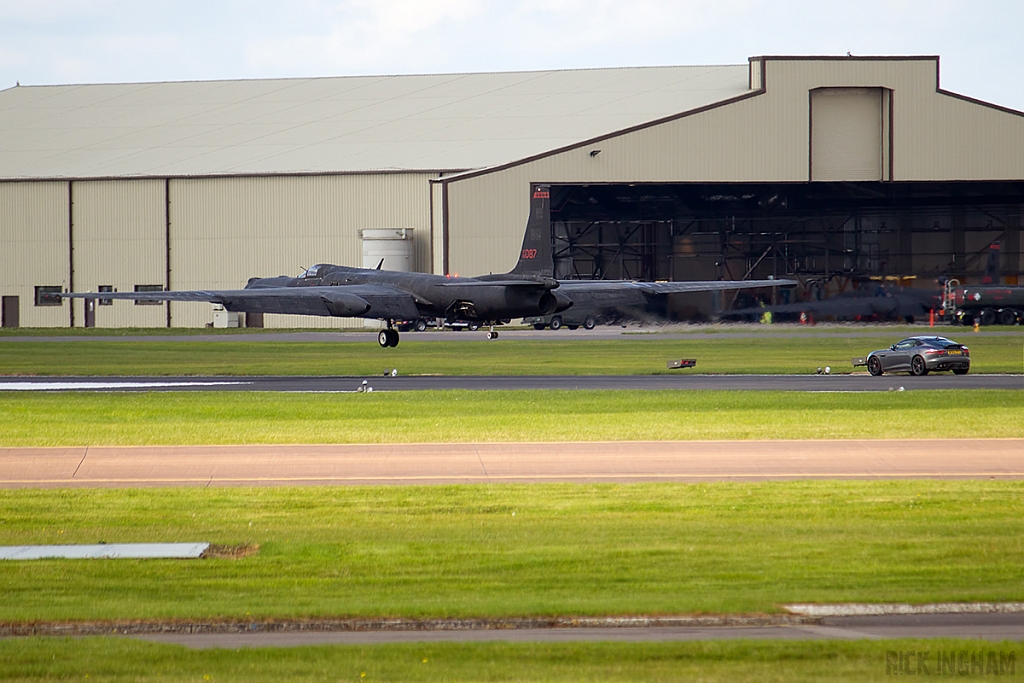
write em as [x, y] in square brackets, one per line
[447, 122]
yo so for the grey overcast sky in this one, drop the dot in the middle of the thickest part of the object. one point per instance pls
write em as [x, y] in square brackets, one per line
[981, 42]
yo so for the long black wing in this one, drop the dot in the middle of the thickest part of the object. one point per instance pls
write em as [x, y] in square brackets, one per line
[626, 293]
[347, 301]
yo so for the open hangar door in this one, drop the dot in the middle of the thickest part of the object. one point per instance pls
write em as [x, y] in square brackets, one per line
[837, 238]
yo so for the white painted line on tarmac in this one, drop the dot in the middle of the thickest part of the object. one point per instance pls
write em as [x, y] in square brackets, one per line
[93, 386]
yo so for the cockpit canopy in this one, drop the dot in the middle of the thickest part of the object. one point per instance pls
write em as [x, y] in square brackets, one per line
[312, 271]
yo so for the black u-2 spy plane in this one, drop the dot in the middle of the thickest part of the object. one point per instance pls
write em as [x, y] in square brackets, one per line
[530, 289]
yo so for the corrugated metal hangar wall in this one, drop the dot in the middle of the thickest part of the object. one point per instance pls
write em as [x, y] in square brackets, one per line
[192, 233]
[830, 169]
[860, 147]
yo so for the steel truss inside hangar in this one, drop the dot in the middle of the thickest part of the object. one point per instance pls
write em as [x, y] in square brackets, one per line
[831, 236]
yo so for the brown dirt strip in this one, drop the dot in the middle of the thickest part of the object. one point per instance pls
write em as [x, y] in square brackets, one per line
[84, 628]
[684, 461]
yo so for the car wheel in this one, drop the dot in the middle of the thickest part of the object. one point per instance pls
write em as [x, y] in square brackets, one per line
[589, 323]
[1007, 316]
[918, 367]
[961, 371]
[421, 325]
[473, 327]
[988, 317]
[556, 323]
[875, 366]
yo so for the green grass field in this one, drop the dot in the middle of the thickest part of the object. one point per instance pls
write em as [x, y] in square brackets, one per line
[194, 418]
[501, 550]
[105, 659]
[642, 354]
[517, 550]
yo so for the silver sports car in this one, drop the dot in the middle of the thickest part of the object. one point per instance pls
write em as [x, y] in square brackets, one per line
[921, 355]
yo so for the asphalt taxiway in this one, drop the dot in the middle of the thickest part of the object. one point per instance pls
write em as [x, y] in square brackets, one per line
[682, 381]
[680, 332]
[984, 627]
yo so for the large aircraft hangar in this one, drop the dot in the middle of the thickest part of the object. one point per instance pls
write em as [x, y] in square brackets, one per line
[836, 171]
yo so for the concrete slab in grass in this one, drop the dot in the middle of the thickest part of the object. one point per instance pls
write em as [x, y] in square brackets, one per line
[184, 551]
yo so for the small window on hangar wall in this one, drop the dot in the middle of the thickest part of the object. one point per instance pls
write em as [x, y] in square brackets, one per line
[850, 134]
[148, 288]
[48, 295]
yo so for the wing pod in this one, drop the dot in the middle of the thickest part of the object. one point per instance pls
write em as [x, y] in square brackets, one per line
[343, 305]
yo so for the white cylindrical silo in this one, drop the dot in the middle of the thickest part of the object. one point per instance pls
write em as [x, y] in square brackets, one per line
[394, 245]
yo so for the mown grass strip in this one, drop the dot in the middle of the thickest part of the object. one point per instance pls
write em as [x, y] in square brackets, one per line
[631, 355]
[45, 659]
[209, 418]
[517, 550]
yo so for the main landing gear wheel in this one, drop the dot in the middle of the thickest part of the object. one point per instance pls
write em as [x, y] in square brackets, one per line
[917, 366]
[387, 338]
[875, 366]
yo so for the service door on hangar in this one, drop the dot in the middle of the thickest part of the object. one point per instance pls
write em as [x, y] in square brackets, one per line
[849, 140]
[9, 311]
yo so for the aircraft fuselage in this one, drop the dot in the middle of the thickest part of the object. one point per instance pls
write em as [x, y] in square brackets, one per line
[482, 299]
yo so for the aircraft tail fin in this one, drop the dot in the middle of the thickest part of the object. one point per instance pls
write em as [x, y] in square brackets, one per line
[536, 256]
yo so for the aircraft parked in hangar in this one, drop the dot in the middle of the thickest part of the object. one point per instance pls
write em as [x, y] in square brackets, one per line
[528, 290]
[877, 302]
